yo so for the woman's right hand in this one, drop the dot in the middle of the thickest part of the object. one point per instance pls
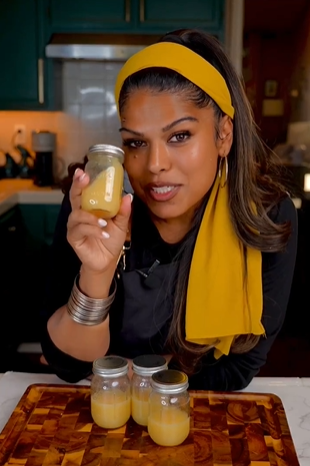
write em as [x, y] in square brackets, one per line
[97, 246]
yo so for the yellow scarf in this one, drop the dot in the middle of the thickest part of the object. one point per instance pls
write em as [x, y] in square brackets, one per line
[222, 299]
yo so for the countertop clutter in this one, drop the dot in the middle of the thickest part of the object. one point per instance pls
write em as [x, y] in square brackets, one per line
[17, 191]
[294, 393]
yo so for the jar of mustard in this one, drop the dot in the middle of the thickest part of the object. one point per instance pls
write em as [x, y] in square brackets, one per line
[169, 408]
[110, 392]
[102, 196]
[143, 369]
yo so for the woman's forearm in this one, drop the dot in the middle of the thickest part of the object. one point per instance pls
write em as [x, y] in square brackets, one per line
[81, 341]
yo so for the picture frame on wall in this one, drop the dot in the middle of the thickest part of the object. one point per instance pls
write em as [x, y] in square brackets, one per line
[271, 88]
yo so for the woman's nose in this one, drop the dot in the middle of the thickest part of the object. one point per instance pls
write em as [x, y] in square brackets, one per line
[158, 159]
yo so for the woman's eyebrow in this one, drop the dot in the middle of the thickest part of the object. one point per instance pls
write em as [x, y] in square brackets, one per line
[166, 128]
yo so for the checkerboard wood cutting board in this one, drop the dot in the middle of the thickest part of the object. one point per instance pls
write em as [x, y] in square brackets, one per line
[52, 425]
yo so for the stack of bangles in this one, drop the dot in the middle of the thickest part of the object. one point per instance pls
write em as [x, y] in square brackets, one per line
[89, 311]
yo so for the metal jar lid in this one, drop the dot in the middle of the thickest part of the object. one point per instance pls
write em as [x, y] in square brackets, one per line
[169, 381]
[110, 366]
[147, 364]
[108, 149]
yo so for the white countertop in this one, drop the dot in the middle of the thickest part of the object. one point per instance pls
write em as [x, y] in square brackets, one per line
[15, 191]
[294, 393]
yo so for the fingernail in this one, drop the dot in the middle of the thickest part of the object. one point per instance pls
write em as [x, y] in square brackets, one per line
[81, 178]
[76, 171]
[105, 234]
[131, 197]
[102, 222]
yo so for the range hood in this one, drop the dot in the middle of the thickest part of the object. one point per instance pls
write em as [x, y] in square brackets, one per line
[116, 47]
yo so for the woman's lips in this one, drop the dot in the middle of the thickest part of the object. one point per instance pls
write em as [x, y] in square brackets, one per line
[162, 192]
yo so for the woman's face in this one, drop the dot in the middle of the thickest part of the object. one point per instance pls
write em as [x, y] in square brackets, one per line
[171, 151]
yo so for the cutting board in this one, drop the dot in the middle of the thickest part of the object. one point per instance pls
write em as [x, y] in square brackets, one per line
[52, 425]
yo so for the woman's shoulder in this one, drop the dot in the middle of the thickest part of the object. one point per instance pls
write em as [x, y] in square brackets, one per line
[284, 211]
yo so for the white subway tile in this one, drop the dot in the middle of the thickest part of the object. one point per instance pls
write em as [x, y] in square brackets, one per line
[92, 69]
[89, 138]
[71, 69]
[71, 92]
[111, 71]
[92, 91]
[112, 121]
[109, 93]
[113, 137]
[92, 117]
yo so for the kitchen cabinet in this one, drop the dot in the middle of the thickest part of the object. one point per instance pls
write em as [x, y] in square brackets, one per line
[26, 77]
[89, 16]
[26, 233]
[162, 15]
[134, 16]
[11, 284]
[40, 221]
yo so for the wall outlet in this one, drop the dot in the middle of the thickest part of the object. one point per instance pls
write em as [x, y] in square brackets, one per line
[19, 134]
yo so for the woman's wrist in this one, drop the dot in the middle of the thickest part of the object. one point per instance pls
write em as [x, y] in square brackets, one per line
[96, 285]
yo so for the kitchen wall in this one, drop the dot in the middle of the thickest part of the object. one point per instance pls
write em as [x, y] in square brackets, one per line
[259, 67]
[301, 77]
[89, 113]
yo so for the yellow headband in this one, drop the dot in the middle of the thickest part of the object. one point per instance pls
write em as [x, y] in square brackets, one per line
[185, 62]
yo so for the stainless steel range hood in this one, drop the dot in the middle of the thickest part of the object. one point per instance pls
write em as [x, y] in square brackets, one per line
[116, 47]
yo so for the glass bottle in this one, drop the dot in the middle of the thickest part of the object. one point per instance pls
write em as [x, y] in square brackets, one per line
[169, 408]
[143, 369]
[102, 196]
[110, 392]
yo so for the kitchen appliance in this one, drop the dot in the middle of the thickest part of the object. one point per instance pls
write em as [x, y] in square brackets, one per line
[44, 145]
[26, 163]
[8, 166]
[116, 47]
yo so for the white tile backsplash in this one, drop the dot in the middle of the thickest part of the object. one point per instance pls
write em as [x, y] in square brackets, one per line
[92, 91]
[89, 114]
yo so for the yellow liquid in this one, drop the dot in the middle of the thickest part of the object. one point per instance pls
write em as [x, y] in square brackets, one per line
[103, 196]
[140, 407]
[168, 427]
[110, 410]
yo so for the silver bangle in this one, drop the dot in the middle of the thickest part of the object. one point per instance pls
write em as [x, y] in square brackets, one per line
[88, 311]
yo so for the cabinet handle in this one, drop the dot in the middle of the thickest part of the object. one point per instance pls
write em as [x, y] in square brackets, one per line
[127, 11]
[41, 80]
[142, 11]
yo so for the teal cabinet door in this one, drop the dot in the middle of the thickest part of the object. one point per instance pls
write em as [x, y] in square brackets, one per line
[163, 15]
[12, 278]
[24, 77]
[89, 15]
[40, 222]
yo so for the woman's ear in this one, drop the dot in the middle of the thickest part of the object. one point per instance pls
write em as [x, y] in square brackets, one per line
[225, 138]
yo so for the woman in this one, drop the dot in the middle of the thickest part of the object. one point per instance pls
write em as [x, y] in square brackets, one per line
[210, 236]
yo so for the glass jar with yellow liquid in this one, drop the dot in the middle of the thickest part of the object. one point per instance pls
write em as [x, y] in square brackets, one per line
[102, 197]
[110, 392]
[169, 408]
[143, 369]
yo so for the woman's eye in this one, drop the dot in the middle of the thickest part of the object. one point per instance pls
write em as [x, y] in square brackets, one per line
[180, 137]
[133, 143]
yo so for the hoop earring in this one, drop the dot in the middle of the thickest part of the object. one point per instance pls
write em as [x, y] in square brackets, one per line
[222, 161]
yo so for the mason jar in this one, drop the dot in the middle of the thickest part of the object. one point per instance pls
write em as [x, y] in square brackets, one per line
[143, 369]
[169, 408]
[110, 392]
[102, 196]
